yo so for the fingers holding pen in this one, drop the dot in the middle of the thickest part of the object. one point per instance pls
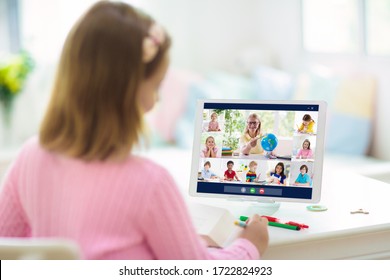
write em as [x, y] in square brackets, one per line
[256, 231]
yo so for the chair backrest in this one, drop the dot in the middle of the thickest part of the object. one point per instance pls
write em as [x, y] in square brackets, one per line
[38, 249]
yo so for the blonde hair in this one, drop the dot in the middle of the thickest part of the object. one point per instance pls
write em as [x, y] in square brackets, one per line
[94, 111]
[209, 138]
[255, 116]
[252, 163]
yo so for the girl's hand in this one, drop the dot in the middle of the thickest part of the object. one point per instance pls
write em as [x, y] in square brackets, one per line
[256, 232]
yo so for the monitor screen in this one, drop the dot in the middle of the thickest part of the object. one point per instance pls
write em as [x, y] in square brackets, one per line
[258, 150]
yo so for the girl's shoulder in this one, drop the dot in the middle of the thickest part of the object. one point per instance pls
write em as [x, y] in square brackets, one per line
[33, 150]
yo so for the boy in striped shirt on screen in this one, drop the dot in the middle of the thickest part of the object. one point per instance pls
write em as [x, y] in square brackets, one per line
[251, 175]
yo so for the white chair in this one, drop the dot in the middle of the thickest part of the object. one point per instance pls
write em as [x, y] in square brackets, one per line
[38, 249]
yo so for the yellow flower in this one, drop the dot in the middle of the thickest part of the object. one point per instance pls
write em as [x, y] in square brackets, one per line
[13, 74]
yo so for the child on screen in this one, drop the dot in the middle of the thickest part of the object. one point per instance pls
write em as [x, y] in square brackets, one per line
[305, 152]
[78, 178]
[251, 174]
[307, 125]
[303, 178]
[206, 173]
[230, 174]
[210, 150]
[213, 124]
[278, 177]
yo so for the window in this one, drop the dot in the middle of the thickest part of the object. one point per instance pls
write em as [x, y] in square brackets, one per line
[331, 26]
[346, 26]
[44, 30]
[45, 25]
[378, 27]
[9, 26]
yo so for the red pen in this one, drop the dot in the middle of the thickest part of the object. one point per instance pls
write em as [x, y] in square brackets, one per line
[297, 224]
[271, 219]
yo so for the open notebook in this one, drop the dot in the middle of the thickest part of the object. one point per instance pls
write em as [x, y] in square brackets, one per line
[215, 225]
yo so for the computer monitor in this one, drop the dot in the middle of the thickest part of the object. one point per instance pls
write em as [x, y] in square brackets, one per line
[266, 151]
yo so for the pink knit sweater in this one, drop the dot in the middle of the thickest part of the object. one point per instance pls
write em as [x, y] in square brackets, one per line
[127, 210]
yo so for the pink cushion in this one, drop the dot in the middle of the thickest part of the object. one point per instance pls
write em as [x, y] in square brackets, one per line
[173, 96]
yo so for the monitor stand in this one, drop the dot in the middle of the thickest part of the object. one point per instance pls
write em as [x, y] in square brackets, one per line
[245, 207]
[262, 208]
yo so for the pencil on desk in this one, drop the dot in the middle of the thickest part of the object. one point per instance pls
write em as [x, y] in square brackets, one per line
[273, 224]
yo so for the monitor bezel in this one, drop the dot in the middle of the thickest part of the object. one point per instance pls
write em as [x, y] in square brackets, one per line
[319, 152]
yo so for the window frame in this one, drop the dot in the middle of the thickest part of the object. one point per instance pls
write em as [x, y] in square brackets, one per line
[12, 26]
[362, 33]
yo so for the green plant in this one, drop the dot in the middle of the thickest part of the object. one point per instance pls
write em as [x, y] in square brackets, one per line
[13, 73]
[234, 127]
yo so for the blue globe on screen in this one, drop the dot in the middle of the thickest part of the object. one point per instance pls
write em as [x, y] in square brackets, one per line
[269, 142]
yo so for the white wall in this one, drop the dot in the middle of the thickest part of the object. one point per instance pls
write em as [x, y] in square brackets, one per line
[208, 34]
[280, 30]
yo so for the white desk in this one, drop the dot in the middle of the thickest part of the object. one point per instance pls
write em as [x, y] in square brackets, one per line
[335, 233]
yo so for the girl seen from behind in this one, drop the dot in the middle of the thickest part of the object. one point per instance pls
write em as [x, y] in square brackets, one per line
[78, 178]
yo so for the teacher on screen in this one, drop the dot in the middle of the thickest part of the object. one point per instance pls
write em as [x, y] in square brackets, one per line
[249, 141]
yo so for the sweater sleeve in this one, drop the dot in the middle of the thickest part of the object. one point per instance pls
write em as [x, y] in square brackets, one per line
[14, 222]
[170, 233]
